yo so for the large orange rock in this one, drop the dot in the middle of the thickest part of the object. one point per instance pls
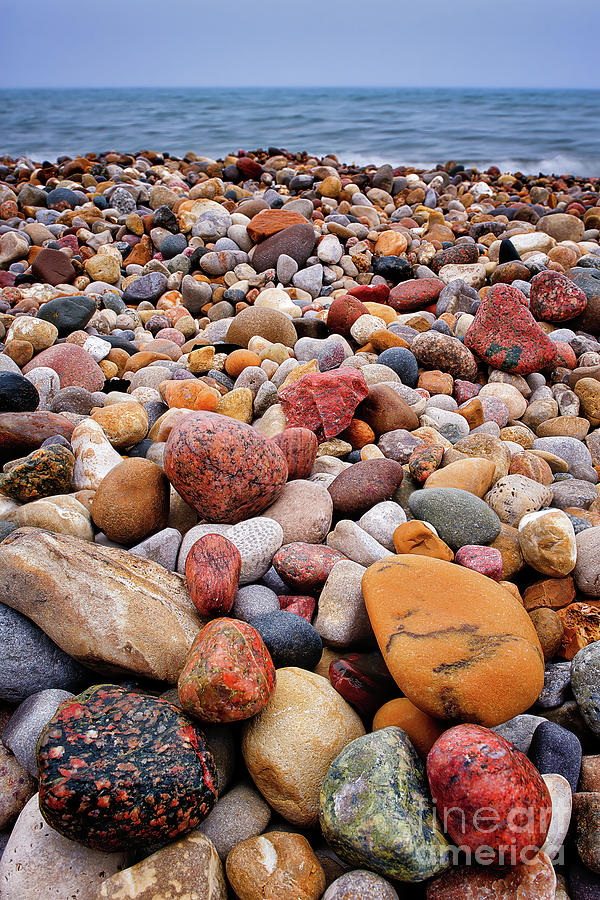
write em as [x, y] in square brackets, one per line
[458, 645]
[472, 475]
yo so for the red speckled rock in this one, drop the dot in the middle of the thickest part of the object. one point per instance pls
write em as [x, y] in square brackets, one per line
[223, 468]
[305, 567]
[485, 560]
[212, 570]
[465, 390]
[229, 674]
[506, 336]
[462, 254]
[299, 446]
[300, 605]
[73, 365]
[488, 794]
[324, 402]
[361, 486]
[119, 769]
[534, 881]
[343, 313]
[371, 293]
[415, 294]
[555, 298]
[424, 461]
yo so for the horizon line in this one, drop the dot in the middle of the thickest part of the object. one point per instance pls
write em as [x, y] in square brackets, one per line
[249, 87]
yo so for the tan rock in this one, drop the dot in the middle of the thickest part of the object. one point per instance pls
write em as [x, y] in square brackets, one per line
[94, 455]
[547, 542]
[472, 475]
[124, 424]
[63, 514]
[110, 610]
[488, 447]
[39, 863]
[342, 619]
[507, 543]
[39, 333]
[277, 865]
[188, 869]
[514, 496]
[289, 746]
[304, 510]
[534, 881]
[132, 501]
[237, 404]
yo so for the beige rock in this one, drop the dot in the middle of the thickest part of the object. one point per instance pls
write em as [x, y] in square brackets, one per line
[40, 864]
[110, 610]
[587, 569]
[547, 542]
[473, 274]
[188, 869]
[355, 543]
[278, 865]
[16, 787]
[273, 422]
[514, 399]
[8, 508]
[562, 803]
[237, 404]
[513, 496]
[94, 455]
[124, 424]
[239, 814]
[62, 513]
[472, 475]
[38, 332]
[342, 618]
[289, 746]
[304, 510]
[488, 447]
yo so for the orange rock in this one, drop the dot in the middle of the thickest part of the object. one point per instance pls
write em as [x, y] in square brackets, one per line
[416, 537]
[507, 543]
[554, 593]
[472, 475]
[141, 253]
[382, 311]
[169, 300]
[391, 243]
[120, 358]
[422, 729]
[531, 466]
[458, 645]
[436, 382]
[381, 340]
[581, 623]
[268, 222]
[358, 434]
[142, 359]
[473, 412]
[239, 360]
[190, 394]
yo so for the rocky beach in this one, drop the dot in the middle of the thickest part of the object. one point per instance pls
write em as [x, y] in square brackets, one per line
[299, 530]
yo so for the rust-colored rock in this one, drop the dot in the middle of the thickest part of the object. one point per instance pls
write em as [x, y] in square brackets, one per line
[212, 571]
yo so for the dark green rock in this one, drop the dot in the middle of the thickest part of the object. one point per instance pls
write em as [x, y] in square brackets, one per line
[376, 811]
[459, 517]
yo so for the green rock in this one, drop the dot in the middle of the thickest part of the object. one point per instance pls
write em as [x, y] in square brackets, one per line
[44, 473]
[459, 517]
[376, 811]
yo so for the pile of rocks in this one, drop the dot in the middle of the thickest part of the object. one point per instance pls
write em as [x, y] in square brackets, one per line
[300, 530]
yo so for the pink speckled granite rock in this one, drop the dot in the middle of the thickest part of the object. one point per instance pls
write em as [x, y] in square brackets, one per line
[555, 298]
[305, 567]
[324, 402]
[223, 468]
[73, 365]
[536, 881]
[485, 560]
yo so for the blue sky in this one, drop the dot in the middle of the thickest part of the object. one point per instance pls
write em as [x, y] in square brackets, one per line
[483, 43]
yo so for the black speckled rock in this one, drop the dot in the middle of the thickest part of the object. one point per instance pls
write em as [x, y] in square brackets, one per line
[17, 393]
[376, 810]
[44, 473]
[119, 769]
[460, 517]
[290, 639]
[68, 313]
[554, 750]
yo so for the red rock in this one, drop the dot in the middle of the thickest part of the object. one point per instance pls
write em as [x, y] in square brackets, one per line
[249, 168]
[371, 293]
[324, 402]
[299, 446]
[228, 675]
[212, 571]
[226, 470]
[488, 795]
[534, 881]
[506, 336]
[305, 567]
[343, 313]
[462, 254]
[52, 267]
[28, 430]
[362, 485]
[555, 298]
[486, 560]
[73, 365]
[363, 680]
[300, 605]
[417, 293]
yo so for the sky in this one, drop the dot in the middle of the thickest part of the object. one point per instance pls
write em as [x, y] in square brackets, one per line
[483, 43]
